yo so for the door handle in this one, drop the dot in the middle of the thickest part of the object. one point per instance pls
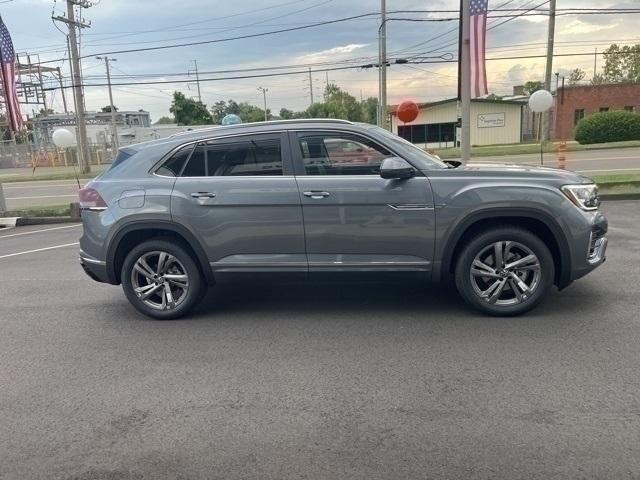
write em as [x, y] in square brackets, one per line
[316, 194]
[203, 195]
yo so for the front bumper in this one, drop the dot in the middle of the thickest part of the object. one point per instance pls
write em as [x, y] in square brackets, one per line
[94, 268]
[595, 252]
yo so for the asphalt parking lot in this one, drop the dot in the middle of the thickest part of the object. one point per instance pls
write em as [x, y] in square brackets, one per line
[318, 380]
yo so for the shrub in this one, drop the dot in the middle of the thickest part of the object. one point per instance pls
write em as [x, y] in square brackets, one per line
[608, 127]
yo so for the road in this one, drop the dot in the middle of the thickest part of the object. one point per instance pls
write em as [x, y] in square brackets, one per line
[593, 162]
[318, 380]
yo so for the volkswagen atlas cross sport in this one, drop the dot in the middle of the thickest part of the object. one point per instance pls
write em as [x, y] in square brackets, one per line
[172, 217]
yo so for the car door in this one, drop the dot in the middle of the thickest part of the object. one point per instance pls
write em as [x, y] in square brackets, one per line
[238, 195]
[353, 218]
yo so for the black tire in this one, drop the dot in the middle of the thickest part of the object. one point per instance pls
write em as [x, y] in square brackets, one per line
[183, 303]
[484, 242]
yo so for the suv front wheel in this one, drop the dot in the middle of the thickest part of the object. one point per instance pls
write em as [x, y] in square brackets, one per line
[161, 280]
[504, 271]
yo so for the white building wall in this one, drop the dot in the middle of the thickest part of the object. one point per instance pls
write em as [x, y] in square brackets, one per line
[506, 119]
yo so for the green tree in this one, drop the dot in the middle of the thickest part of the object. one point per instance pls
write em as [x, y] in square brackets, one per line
[107, 109]
[370, 110]
[622, 64]
[187, 111]
[218, 111]
[164, 121]
[250, 113]
[576, 76]
[533, 86]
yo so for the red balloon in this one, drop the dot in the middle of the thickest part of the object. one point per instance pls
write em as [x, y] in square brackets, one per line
[408, 111]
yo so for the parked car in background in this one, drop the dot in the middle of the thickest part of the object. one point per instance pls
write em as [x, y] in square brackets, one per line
[173, 216]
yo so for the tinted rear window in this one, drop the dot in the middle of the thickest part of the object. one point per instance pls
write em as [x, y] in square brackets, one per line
[195, 165]
[121, 157]
[173, 166]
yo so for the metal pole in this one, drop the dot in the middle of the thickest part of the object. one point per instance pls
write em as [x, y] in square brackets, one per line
[264, 99]
[595, 63]
[195, 62]
[546, 116]
[112, 107]
[3, 203]
[83, 151]
[310, 85]
[382, 66]
[465, 84]
[64, 97]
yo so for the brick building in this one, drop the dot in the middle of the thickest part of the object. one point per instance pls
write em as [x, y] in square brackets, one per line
[575, 102]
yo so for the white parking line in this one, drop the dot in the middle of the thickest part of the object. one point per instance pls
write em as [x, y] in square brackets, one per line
[39, 250]
[40, 196]
[38, 231]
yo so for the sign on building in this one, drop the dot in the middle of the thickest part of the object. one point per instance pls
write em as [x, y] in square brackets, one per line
[491, 120]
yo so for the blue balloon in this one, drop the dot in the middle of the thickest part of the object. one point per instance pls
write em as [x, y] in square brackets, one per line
[231, 119]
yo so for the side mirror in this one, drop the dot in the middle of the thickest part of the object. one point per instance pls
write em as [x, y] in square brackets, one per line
[453, 163]
[395, 167]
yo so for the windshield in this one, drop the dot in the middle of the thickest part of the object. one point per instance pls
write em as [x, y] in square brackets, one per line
[409, 151]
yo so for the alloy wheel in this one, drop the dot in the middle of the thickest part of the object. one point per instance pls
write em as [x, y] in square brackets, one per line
[160, 280]
[505, 273]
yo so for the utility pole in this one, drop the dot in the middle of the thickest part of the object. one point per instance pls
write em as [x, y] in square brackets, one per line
[465, 82]
[64, 97]
[546, 116]
[264, 99]
[114, 124]
[595, 63]
[310, 85]
[195, 63]
[382, 66]
[83, 147]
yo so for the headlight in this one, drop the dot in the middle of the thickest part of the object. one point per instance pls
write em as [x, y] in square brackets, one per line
[583, 196]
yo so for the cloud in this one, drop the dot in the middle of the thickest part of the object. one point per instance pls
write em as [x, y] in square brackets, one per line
[331, 53]
[578, 27]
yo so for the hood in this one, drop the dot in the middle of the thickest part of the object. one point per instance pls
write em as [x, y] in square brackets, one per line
[527, 171]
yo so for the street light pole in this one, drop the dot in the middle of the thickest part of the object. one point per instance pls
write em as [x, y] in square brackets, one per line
[382, 66]
[465, 83]
[546, 116]
[264, 98]
[114, 125]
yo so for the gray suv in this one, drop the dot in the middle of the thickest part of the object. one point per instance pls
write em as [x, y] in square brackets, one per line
[171, 217]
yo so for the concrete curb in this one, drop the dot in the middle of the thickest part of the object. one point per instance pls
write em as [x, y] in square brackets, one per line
[21, 221]
[619, 196]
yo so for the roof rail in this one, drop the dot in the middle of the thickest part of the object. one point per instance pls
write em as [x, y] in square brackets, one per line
[270, 122]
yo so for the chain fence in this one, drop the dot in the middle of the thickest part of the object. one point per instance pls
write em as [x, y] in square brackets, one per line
[16, 155]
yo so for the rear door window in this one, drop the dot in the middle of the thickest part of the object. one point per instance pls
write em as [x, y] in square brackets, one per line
[173, 166]
[244, 158]
[195, 166]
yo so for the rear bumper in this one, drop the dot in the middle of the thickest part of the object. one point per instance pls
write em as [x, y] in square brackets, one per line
[94, 268]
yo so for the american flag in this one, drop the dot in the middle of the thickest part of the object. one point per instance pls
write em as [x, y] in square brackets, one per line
[478, 13]
[8, 74]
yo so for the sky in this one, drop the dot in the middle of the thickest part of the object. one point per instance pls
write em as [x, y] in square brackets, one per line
[132, 24]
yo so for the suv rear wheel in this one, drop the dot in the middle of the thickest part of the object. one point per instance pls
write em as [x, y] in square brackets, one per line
[504, 271]
[161, 280]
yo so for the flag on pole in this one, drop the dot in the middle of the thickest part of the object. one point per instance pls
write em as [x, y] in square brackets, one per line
[478, 14]
[8, 74]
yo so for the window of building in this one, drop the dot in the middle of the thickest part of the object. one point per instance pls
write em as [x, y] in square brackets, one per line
[629, 108]
[578, 115]
[335, 154]
[428, 133]
[247, 158]
[604, 109]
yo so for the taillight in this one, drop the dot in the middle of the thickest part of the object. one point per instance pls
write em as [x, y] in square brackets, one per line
[90, 199]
